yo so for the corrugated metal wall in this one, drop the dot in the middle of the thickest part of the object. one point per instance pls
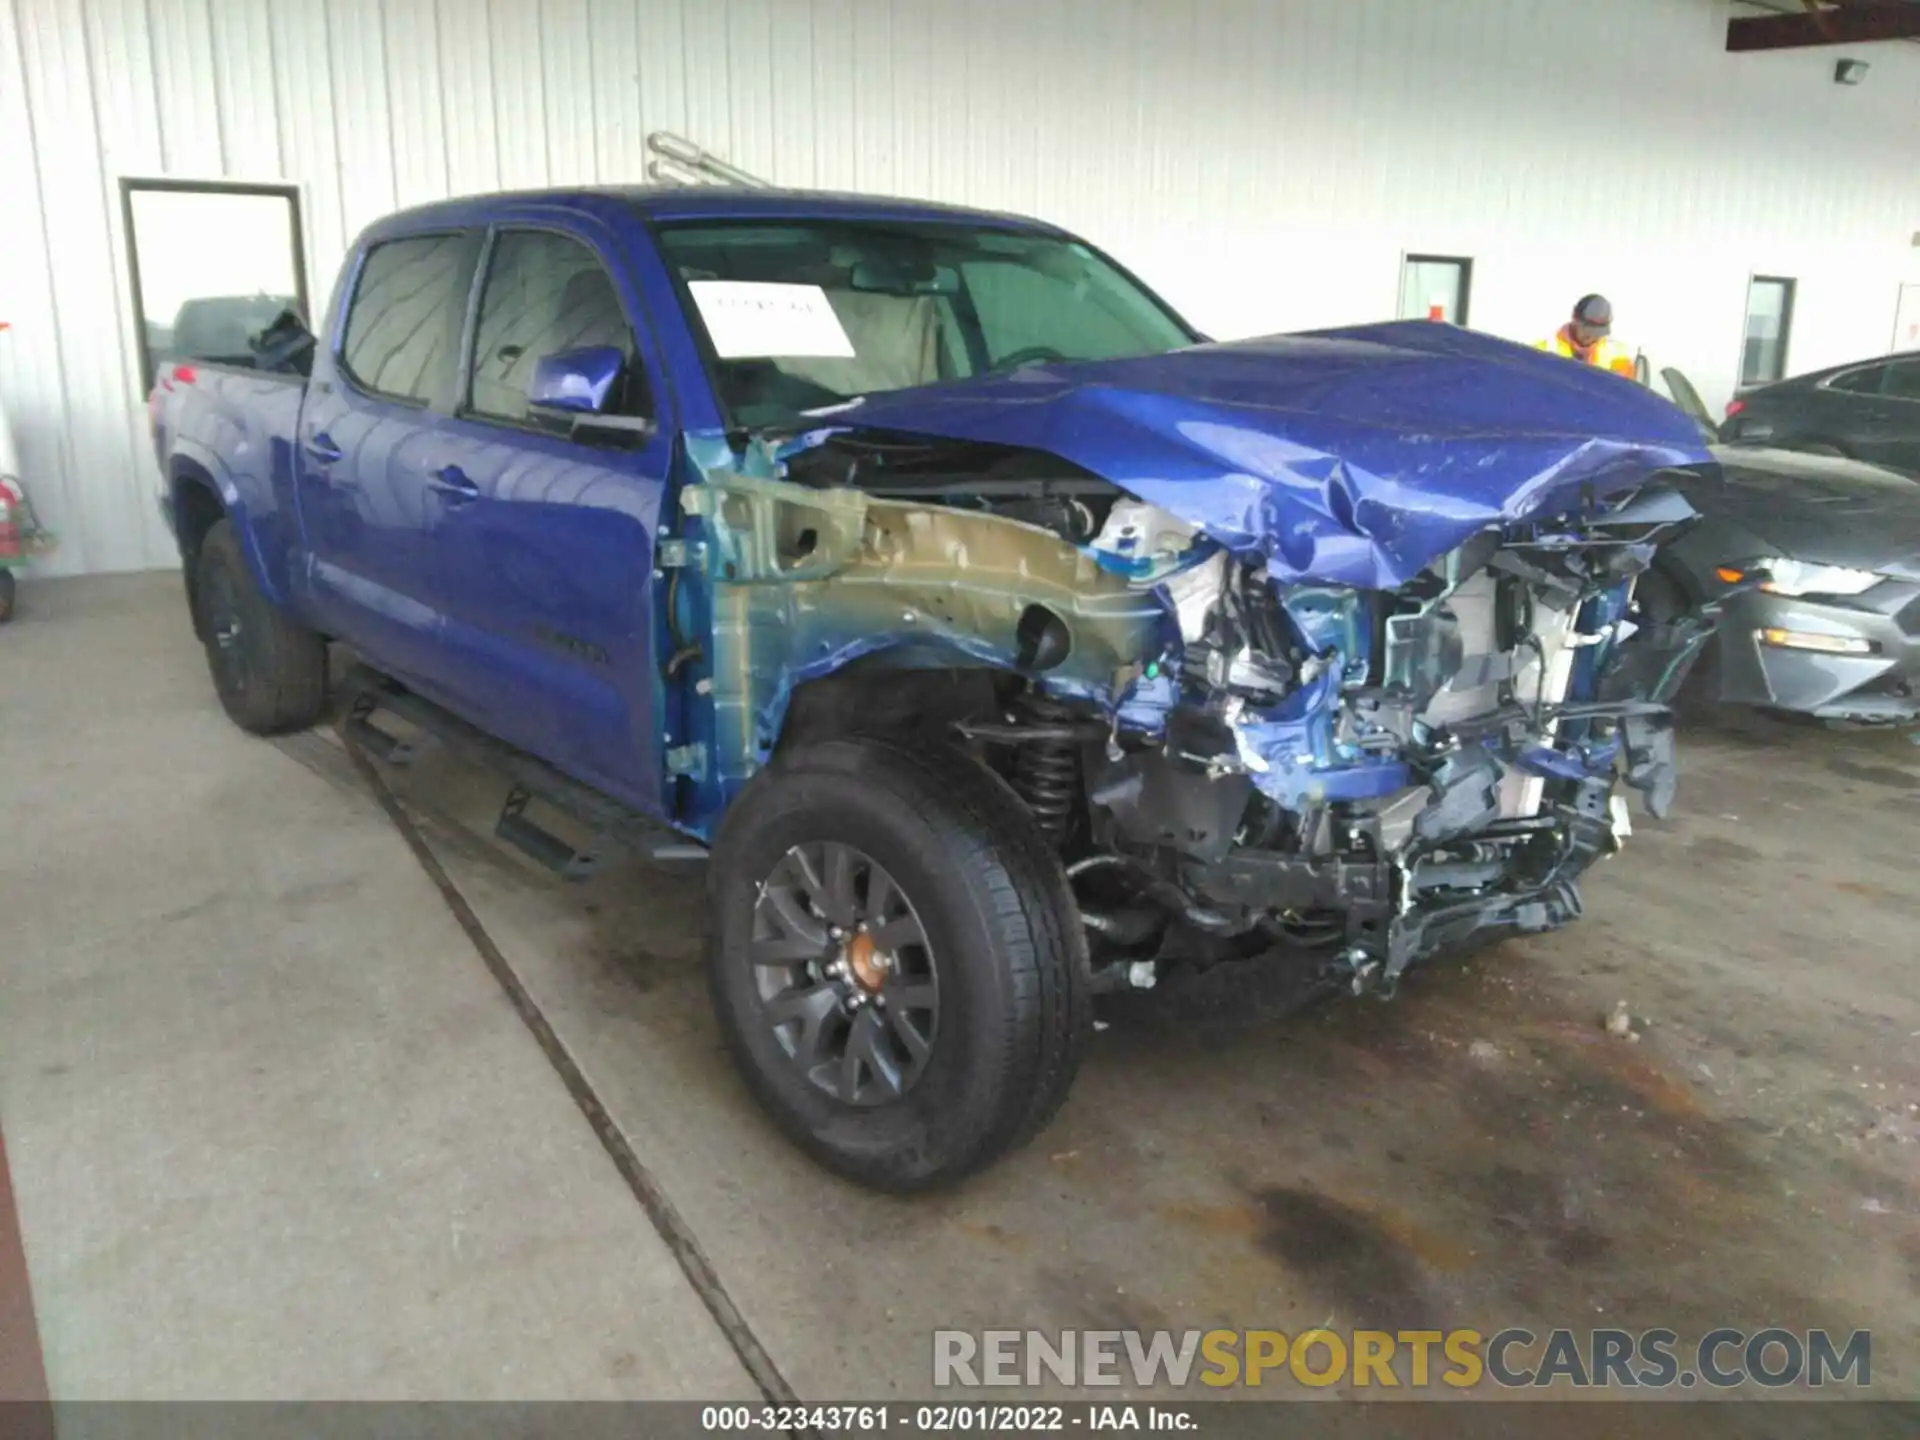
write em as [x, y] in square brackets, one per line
[1264, 162]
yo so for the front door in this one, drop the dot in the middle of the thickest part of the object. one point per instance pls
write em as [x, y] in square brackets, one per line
[546, 536]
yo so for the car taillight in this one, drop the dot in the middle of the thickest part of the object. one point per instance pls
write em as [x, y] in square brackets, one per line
[1734, 407]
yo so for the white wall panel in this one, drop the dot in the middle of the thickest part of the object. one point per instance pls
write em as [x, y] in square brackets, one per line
[414, 96]
[32, 380]
[566, 79]
[619, 134]
[126, 109]
[242, 40]
[309, 136]
[661, 38]
[465, 121]
[704, 61]
[187, 99]
[1266, 163]
[519, 101]
[98, 494]
[362, 105]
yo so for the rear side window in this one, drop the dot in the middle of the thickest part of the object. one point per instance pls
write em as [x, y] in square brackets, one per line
[405, 310]
[1865, 381]
[545, 293]
[1903, 380]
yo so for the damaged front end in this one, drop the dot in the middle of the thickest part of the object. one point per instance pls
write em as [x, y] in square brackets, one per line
[1385, 775]
[1237, 751]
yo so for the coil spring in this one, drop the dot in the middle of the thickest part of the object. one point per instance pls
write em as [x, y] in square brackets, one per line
[1047, 772]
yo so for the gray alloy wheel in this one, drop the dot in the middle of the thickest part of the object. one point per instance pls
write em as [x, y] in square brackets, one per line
[846, 976]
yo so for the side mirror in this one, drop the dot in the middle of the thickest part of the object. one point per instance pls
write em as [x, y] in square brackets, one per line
[579, 385]
[576, 382]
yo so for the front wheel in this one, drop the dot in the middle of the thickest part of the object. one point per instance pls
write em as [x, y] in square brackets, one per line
[896, 961]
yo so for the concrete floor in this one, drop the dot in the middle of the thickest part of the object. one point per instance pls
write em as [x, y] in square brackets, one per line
[274, 1132]
[256, 1084]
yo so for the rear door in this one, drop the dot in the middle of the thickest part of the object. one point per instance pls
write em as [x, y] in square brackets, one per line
[1871, 412]
[369, 437]
[547, 536]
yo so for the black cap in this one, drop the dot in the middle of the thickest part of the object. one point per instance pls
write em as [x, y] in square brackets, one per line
[1595, 311]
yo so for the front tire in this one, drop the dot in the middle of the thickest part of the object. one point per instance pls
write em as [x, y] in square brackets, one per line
[269, 671]
[896, 961]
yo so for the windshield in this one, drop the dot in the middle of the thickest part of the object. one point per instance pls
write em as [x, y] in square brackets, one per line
[800, 315]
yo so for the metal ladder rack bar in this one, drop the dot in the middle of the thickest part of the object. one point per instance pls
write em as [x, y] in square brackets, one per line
[679, 161]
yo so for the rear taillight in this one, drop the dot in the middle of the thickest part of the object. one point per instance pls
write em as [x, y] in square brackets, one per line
[1734, 407]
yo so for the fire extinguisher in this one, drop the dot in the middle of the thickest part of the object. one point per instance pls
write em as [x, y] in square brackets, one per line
[13, 549]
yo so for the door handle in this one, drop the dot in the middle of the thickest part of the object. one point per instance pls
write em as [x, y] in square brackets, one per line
[453, 482]
[321, 447]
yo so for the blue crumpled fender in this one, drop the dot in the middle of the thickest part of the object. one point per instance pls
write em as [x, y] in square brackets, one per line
[1349, 457]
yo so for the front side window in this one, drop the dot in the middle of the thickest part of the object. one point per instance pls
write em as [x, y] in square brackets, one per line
[1763, 353]
[399, 341]
[1864, 381]
[803, 315]
[545, 293]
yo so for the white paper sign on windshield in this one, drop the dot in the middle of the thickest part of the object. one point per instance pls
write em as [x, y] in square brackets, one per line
[756, 320]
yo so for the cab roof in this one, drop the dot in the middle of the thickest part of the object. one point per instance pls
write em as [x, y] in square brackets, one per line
[704, 202]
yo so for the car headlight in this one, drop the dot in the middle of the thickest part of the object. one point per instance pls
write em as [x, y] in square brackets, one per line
[1796, 577]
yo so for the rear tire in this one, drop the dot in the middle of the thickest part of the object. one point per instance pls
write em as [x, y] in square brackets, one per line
[994, 990]
[269, 671]
[6, 596]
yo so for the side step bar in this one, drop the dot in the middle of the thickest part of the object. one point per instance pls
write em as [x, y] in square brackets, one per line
[368, 693]
[539, 844]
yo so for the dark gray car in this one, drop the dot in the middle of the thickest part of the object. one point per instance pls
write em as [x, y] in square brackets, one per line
[1869, 410]
[1834, 629]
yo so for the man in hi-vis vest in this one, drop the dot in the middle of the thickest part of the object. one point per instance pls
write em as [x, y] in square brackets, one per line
[1584, 338]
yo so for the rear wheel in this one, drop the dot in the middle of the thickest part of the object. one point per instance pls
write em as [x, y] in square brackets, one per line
[270, 672]
[896, 961]
[6, 596]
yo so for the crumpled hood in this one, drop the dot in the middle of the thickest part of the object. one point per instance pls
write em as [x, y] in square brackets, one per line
[1823, 509]
[1353, 456]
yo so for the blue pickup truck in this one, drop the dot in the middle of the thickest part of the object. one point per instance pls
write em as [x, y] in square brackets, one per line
[997, 640]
